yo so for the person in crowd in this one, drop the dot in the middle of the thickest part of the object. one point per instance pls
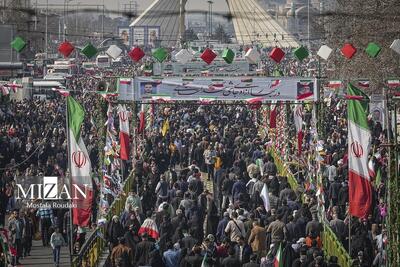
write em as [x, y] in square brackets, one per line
[16, 228]
[121, 255]
[56, 242]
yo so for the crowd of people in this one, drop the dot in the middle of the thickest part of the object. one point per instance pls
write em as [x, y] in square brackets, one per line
[199, 200]
[199, 197]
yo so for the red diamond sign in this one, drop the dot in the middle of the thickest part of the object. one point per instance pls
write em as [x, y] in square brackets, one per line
[208, 56]
[136, 54]
[348, 50]
[277, 54]
[66, 48]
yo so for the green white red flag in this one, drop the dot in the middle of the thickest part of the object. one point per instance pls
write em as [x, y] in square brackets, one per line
[360, 194]
[80, 165]
[123, 131]
[278, 261]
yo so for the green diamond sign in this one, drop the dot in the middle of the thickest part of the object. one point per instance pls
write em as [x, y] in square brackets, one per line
[373, 49]
[160, 54]
[18, 44]
[228, 55]
[89, 50]
[301, 53]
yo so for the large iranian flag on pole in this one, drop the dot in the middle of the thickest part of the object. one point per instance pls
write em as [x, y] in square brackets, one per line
[123, 132]
[360, 195]
[80, 166]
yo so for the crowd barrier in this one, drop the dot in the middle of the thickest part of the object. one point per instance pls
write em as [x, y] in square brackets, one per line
[91, 251]
[331, 245]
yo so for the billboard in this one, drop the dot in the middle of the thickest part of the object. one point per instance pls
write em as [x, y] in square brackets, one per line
[148, 36]
[123, 33]
[125, 89]
[138, 36]
[232, 88]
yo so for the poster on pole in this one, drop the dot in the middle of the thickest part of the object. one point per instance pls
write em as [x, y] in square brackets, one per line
[138, 36]
[125, 89]
[123, 33]
[228, 89]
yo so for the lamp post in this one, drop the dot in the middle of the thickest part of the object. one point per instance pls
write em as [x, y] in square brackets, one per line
[210, 3]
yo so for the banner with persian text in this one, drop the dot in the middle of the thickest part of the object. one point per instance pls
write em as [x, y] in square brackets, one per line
[229, 89]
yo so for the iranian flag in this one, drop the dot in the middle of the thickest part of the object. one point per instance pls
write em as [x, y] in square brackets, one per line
[278, 261]
[298, 122]
[80, 165]
[334, 84]
[363, 83]
[123, 132]
[393, 83]
[360, 195]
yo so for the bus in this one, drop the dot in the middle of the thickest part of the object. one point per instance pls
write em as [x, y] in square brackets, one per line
[103, 61]
[61, 69]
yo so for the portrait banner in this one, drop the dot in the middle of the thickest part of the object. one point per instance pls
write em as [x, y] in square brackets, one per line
[229, 89]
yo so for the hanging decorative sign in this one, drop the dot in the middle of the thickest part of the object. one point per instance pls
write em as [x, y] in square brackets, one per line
[252, 56]
[208, 56]
[114, 51]
[348, 50]
[228, 55]
[232, 88]
[277, 54]
[66, 48]
[160, 54]
[18, 44]
[89, 50]
[324, 52]
[395, 46]
[183, 56]
[373, 50]
[301, 53]
[136, 54]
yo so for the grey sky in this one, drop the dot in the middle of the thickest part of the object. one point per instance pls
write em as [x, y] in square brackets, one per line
[219, 5]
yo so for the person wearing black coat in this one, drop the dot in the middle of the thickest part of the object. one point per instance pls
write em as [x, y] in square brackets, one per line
[114, 231]
[143, 251]
[195, 259]
[131, 239]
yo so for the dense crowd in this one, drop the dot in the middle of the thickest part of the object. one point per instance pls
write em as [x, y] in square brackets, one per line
[368, 236]
[176, 219]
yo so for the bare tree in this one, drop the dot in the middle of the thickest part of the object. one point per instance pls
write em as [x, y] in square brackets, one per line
[359, 22]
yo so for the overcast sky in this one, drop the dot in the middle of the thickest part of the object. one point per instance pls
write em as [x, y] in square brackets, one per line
[219, 5]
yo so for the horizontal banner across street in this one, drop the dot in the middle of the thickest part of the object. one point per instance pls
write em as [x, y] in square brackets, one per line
[229, 89]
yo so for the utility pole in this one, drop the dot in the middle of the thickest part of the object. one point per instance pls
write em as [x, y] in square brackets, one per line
[210, 3]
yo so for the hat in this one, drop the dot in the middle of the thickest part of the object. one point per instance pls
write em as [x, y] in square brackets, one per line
[211, 237]
[226, 214]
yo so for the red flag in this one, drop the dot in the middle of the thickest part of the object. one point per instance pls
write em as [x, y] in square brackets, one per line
[142, 122]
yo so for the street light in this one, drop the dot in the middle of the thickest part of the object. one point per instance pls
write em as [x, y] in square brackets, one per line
[210, 3]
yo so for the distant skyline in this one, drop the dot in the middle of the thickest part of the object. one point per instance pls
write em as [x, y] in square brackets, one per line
[219, 5]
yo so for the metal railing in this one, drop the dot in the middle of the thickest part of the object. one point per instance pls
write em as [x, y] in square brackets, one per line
[331, 245]
[283, 170]
[91, 251]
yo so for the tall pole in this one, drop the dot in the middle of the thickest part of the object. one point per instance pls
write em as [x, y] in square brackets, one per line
[308, 24]
[47, 12]
[71, 234]
[102, 23]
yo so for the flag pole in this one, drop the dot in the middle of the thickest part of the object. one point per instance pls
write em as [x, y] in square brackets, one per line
[349, 233]
[71, 234]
